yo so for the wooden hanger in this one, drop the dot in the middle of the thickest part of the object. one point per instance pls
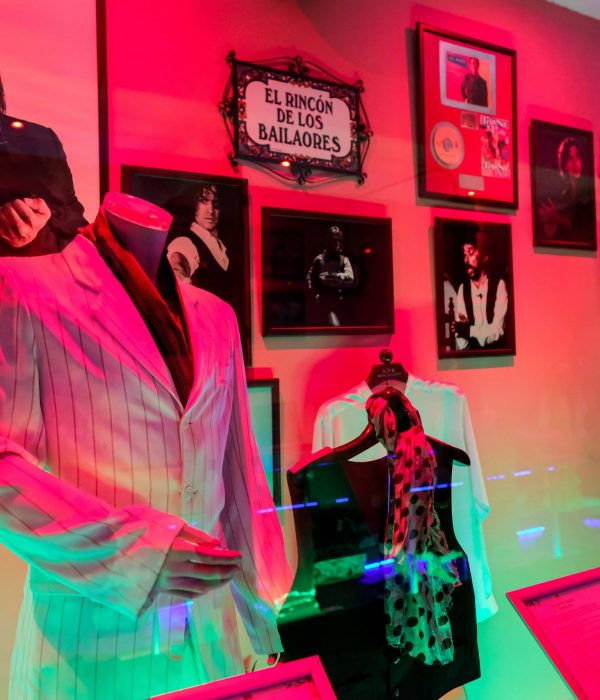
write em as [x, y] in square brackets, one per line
[386, 370]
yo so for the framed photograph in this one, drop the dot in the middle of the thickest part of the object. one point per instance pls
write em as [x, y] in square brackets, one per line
[562, 614]
[326, 273]
[467, 120]
[474, 288]
[209, 243]
[562, 186]
[304, 679]
[264, 412]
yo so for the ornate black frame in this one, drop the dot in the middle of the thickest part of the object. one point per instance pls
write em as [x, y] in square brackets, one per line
[297, 70]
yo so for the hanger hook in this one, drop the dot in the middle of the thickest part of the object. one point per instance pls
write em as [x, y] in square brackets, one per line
[386, 356]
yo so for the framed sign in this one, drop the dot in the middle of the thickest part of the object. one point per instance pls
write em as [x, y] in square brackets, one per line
[304, 679]
[264, 413]
[326, 273]
[474, 290]
[562, 186]
[294, 118]
[209, 243]
[563, 616]
[467, 120]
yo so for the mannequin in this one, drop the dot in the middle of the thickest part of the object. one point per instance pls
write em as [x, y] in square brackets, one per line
[139, 226]
[151, 515]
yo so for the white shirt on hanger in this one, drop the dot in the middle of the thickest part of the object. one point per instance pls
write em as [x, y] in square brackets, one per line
[445, 415]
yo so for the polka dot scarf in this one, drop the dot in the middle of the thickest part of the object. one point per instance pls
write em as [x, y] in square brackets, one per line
[418, 591]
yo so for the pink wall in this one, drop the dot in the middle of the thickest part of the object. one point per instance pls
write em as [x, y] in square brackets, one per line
[167, 73]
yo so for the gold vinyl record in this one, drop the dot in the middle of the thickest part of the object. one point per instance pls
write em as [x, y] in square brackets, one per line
[447, 145]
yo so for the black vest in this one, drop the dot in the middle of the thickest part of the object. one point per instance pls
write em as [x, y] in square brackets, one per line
[210, 275]
[490, 302]
[347, 515]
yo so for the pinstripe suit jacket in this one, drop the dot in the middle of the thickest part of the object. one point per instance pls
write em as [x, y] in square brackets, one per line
[101, 464]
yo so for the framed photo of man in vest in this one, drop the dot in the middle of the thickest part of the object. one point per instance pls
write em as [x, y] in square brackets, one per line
[474, 288]
[209, 242]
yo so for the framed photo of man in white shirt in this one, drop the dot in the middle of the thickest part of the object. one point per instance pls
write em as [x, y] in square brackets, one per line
[474, 289]
[208, 245]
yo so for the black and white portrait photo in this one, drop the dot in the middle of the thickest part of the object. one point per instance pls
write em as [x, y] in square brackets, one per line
[208, 243]
[475, 304]
[324, 273]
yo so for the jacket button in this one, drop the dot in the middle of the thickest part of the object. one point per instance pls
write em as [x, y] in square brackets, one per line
[188, 493]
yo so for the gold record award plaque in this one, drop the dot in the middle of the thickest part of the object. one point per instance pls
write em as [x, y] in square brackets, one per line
[447, 145]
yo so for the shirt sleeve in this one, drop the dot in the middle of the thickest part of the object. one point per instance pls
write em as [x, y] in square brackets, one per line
[461, 310]
[67, 210]
[70, 537]
[491, 332]
[188, 262]
[347, 271]
[322, 431]
[473, 505]
[250, 521]
[313, 273]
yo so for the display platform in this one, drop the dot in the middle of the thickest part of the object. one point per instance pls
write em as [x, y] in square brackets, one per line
[564, 617]
[303, 679]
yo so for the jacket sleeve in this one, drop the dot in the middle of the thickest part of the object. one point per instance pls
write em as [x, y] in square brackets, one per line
[67, 210]
[250, 522]
[71, 538]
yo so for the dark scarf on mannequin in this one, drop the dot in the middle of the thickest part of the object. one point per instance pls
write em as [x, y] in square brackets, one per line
[162, 312]
[419, 590]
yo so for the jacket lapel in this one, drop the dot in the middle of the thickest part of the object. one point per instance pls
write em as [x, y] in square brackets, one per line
[114, 311]
[210, 339]
[196, 342]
